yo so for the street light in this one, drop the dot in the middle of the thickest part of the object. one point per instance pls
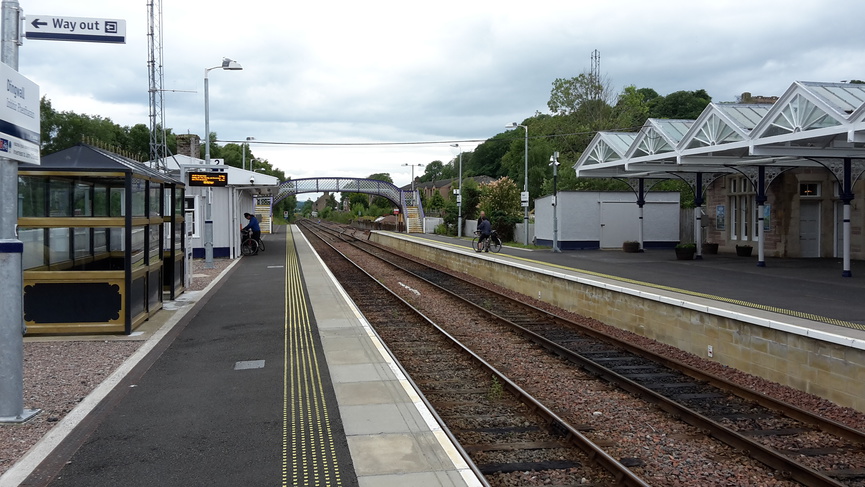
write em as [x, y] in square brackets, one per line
[228, 65]
[244, 147]
[524, 198]
[554, 161]
[460, 195]
[412, 174]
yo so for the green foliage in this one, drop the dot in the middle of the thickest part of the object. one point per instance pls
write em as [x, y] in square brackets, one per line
[432, 172]
[471, 199]
[687, 246]
[501, 201]
[570, 94]
[436, 202]
[680, 105]
[307, 209]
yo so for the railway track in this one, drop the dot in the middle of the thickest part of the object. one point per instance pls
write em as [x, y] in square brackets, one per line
[796, 444]
[502, 429]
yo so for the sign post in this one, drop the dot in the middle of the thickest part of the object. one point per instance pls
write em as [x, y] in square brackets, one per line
[18, 122]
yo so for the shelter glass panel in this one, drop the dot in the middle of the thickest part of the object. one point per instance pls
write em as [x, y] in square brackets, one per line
[34, 247]
[155, 199]
[155, 247]
[100, 200]
[138, 244]
[117, 203]
[139, 197]
[100, 240]
[81, 243]
[82, 199]
[58, 245]
[31, 196]
[61, 198]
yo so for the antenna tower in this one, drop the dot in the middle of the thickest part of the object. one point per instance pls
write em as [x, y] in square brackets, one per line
[158, 144]
[596, 74]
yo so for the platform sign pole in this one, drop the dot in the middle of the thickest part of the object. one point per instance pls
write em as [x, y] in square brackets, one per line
[11, 250]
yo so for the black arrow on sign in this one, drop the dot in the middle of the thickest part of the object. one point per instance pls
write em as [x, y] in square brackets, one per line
[36, 23]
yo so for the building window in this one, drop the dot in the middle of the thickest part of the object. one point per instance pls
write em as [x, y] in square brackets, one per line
[743, 216]
[809, 190]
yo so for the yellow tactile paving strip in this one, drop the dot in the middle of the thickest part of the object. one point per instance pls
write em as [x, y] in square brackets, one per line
[309, 455]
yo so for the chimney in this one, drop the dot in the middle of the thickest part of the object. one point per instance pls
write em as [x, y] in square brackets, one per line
[189, 145]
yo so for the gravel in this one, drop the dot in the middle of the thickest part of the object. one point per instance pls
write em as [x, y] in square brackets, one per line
[59, 372]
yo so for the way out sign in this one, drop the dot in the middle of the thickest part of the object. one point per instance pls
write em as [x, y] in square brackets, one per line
[54, 28]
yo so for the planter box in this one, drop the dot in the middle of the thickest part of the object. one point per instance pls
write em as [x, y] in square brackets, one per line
[744, 250]
[631, 246]
[710, 248]
[685, 254]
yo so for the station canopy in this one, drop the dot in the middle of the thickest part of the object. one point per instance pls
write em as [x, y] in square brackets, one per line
[811, 125]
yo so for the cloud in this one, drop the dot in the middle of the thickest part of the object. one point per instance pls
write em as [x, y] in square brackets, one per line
[388, 71]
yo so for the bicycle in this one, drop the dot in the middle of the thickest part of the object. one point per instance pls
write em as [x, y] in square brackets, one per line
[491, 244]
[248, 245]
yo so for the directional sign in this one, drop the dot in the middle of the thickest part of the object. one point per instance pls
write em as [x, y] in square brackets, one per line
[54, 28]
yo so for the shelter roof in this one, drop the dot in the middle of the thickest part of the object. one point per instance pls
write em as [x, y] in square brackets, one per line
[85, 157]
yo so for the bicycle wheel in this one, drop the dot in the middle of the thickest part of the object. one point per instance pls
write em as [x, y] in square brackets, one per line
[475, 243]
[260, 245]
[495, 245]
[249, 247]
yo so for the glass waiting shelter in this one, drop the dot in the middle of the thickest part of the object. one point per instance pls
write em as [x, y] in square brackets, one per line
[103, 239]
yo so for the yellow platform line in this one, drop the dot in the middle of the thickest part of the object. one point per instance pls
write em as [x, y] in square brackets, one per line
[309, 453]
[747, 304]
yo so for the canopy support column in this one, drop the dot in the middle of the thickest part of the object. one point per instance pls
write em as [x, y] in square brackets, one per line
[698, 216]
[641, 201]
[847, 197]
[761, 208]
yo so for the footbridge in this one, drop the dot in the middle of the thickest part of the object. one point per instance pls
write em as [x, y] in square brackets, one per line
[408, 202]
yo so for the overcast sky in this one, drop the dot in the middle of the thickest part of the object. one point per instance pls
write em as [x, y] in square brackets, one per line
[444, 72]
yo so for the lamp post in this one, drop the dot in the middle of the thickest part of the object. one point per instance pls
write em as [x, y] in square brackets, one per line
[244, 147]
[524, 198]
[228, 65]
[554, 161]
[460, 194]
[412, 174]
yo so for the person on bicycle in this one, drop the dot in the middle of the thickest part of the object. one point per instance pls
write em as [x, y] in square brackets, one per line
[252, 227]
[484, 228]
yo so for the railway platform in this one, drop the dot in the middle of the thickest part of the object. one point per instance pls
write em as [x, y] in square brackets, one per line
[797, 322]
[272, 377]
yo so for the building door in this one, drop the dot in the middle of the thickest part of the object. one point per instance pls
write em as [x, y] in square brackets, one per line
[619, 222]
[809, 228]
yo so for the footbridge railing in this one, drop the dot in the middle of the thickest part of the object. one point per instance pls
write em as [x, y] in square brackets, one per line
[398, 197]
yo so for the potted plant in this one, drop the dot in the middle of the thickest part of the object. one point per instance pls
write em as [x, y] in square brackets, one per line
[686, 251]
[710, 248]
[744, 250]
[631, 246]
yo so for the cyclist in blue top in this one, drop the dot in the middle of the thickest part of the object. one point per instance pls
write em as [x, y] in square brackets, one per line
[253, 226]
[485, 228]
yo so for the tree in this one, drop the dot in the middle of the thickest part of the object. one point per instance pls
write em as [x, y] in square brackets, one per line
[433, 172]
[486, 160]
[687, 105]
[569, 94]
[501, 201]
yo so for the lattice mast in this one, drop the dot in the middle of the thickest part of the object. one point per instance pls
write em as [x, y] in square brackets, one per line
[158, 143]
[596, 75]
